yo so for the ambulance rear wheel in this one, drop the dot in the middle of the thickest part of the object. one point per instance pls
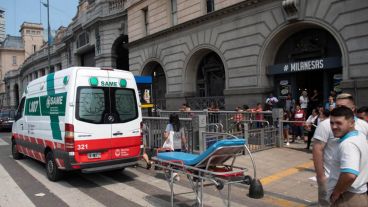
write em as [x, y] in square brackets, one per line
[52, 171]
[16, 154]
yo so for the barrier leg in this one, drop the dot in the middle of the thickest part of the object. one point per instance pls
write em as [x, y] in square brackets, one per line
[201, 204]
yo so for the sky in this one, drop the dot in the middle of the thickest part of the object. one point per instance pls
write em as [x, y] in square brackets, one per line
[19, 11]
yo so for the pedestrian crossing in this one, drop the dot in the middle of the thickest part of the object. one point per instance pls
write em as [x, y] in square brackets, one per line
[131, 187]
[10, 192]
[3, 142]
[70, 195]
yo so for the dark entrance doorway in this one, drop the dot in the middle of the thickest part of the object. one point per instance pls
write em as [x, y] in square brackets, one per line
[155, 70]
[211, 76]
[16, 95]
[88, 59]
[121, 52]
[309, 60]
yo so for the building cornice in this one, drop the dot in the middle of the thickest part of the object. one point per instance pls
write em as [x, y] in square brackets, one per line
[103, 19]
[12, 49]
[199, 20]
[24, 68]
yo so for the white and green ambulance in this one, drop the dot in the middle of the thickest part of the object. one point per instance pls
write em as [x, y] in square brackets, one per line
[80, 118]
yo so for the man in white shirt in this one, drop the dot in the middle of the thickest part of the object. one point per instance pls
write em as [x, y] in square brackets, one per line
[324, 144]
[303, 100]
[271, 101]
[349, 169]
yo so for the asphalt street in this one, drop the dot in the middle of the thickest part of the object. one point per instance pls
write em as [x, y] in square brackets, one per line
[24, 183]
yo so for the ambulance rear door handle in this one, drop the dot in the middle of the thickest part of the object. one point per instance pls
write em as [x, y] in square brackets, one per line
[117, 133]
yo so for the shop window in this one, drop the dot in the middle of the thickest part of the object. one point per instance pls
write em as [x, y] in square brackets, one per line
[14, 60]
[83, 39]
[210, 6]
[69, 55]
[145, 20]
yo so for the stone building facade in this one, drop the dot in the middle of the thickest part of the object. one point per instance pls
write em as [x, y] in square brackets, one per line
[97, 36]
[2, 24]
[228, 52]
[242, 50]
[13, 51]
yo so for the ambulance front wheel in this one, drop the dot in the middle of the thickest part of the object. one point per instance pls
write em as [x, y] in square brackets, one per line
[52, 171]
[15, 153]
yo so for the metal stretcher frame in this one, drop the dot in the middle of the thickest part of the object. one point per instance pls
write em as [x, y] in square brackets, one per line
[203, 171]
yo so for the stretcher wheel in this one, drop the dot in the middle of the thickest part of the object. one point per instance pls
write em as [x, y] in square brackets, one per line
[256, 189]
[247, 180]
[220, 185]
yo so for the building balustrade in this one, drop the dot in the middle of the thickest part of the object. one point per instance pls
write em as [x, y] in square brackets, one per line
[116, 6]
[200, 103]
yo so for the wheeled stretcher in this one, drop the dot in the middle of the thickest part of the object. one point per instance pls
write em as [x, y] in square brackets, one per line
[215, 166]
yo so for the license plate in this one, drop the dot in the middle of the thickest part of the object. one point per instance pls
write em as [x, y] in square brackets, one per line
[94, 155]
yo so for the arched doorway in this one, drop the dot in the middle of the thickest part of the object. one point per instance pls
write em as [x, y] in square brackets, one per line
[210, 76]
[16, 95]
[205, 79]
[121, 52]
[310, 60]
[155, 70]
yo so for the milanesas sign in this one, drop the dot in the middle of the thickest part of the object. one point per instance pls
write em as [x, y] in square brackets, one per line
[307, 65]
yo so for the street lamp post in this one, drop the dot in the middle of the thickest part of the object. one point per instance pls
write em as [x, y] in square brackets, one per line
[47, 5]
[48, 34]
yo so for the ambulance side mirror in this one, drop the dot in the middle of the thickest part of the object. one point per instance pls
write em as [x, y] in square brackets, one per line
[19, 111]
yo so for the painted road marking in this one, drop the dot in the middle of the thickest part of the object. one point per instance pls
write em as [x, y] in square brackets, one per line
[277, 176]
[281, 202]
[66, 192]
[10, 192]
[3, 142]
[127, 191]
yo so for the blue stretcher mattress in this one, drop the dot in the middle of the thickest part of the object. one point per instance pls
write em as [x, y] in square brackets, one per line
[193, 159]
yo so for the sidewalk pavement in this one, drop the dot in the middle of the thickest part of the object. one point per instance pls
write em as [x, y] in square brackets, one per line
[287, 173]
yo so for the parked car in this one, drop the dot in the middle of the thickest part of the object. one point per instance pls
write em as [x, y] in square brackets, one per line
[6, 119]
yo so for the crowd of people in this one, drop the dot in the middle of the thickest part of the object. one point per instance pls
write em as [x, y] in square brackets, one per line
[339, 133]
[302, 116]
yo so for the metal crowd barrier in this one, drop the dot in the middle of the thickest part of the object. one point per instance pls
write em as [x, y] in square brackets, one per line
[227, 118]
[154, 127]
[262, 138]
[257, 139]
[282, 129]
[261, 134]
